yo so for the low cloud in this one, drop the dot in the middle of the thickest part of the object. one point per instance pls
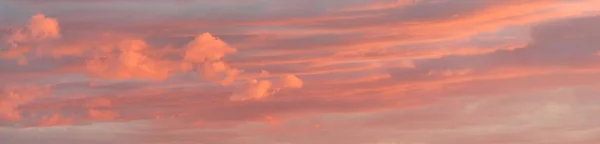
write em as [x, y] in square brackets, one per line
[207, 52]
[11, 98]
[38, 28]
[27, 39]
[291, 81]
[131, 62]
[380, 72]
[253, 90]
[206, 47]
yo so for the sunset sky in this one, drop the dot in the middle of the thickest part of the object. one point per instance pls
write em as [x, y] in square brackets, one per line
[299, 71]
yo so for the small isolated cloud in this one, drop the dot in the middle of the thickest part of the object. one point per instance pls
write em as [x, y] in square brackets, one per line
[132, 62]
[206, 47]
[43, 27]
[24, 39]
[38, 28]
[208, 51]
[254, 89]
[291, 81]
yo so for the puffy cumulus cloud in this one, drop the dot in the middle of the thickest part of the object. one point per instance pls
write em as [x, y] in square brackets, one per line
[38, 28]
[23, 40]
[206, 47]
[219, 71]
[291, 81]
[254, 89]
[131, 62]
[207, 52]
[42, 27]
[13, 97]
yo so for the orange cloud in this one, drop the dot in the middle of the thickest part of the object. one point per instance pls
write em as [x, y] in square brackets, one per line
[380, 6]
[25, 39]
[419, 78]
[43, 27]
[38, 28]
[208, 51]
[14, 97]
[219, 72]
[132, 62]
[8, 106]
[254, 89]
[206, 47]
[271, 120]
[291, 81]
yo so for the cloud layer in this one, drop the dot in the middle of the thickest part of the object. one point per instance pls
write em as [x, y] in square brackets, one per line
[295, 72]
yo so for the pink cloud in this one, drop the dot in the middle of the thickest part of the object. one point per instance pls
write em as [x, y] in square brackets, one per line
[206, 47]
[208, 51]
[103, 115]
[130, 63]
[13, 97]
[254, 89]
[291, 81]
[9, 104]
[38, 28]
[54, 120]
[24, 39]
[219, 72]
[398, 73]
[381, 6]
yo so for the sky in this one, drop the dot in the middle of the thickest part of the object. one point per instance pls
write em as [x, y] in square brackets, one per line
[299, 71]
